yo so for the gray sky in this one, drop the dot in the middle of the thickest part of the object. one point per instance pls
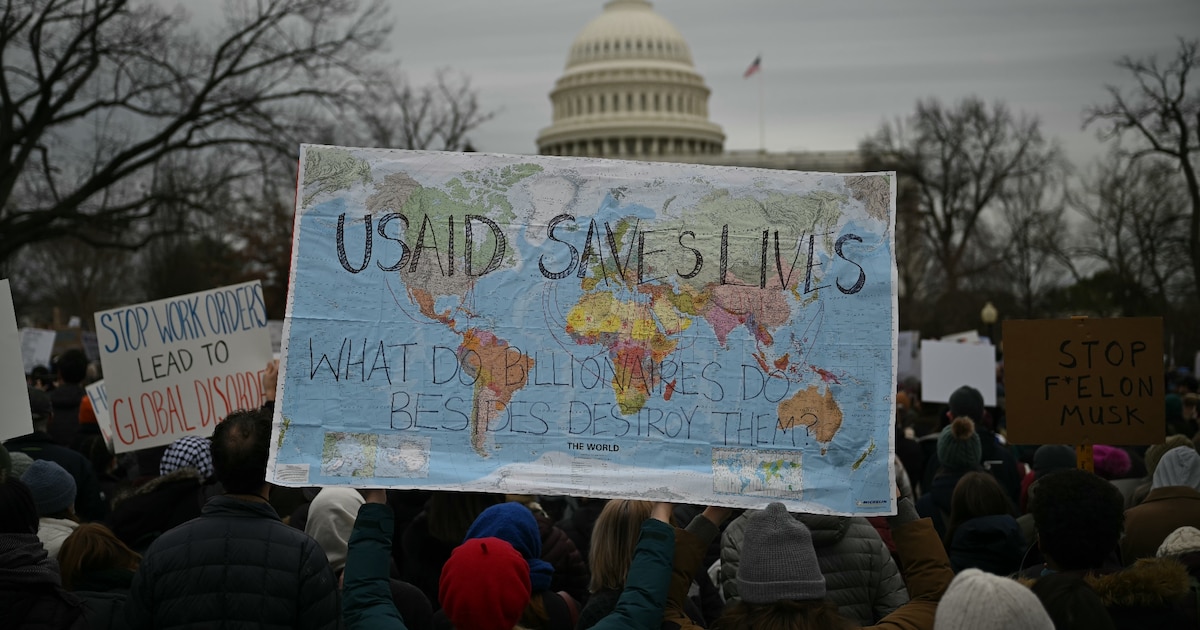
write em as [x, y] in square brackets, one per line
[833, 69]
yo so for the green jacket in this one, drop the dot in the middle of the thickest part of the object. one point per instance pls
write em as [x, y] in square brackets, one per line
[366, 595]
[641, 604]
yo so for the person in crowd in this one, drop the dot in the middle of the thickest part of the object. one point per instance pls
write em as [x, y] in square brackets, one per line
[197, 573]
[579, 523]
[1154, 454]
[1071, 603]
[981, 601]
[1173, 502]
[570, 570]
[185, 483]
[53, 492]
[69, 370]
[31, 593]
[614, 539]
[89, 504]
[331, 523]
[862, 577]
[982, 533]
[98, 568]
[1046, 459]
[515, 524]
[20, 463]
[485, 584]
[959, 452]
[435, 532]
[1079, 518]
[1183, 545]
[995, 458]
[780, 586]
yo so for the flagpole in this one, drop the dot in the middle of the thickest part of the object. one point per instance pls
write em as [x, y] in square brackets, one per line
[762, 134]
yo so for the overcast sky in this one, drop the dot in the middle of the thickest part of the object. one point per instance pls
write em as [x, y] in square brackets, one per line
[833, 69]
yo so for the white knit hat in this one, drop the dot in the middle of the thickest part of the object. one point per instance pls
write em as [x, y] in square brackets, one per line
[1181, 541]
[982, 601]
[331, 519]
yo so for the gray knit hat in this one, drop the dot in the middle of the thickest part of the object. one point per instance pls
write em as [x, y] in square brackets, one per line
[981, 601]
[53, 488]
[778, 560]
[20, 463]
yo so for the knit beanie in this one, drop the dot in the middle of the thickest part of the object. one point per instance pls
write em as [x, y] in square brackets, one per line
[1051, 457]
[1183, 540]
[778, 560]
[331, 519]
[981, 601]
[190, 451]
[18, 513]
[484, 585]
[52, 487]
[1111, 462]
[20, 463]
[515, 524]
[958, 446]
[1178, 467]
[966, 401]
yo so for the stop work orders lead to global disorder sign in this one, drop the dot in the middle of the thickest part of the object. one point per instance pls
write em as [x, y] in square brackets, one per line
[594, 328]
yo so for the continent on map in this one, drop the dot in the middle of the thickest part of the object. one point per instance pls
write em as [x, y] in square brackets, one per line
[349, 454]
[875, 191]
[328, 170]
[637, 335]
[499, 371]
[818, 412]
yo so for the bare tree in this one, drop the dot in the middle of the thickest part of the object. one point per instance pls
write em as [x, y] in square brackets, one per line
[99, 98]
[960, 159]
[1137, 214]
[393, 113]
[1163, 114]
[1035, 243]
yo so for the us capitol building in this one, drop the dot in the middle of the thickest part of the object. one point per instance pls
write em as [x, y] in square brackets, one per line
[631, 91]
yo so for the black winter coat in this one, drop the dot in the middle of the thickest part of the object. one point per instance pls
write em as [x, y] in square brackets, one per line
[89, 504]
[237, 566]
[30, 593]
[104, 593]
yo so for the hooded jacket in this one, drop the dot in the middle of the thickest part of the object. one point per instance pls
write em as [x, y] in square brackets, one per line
[860, 575]
[935, 504]
[989, 543]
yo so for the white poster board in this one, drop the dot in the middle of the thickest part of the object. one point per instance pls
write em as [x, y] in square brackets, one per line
[37, 348]
[178, 366]
[15, 417]
[946, 366]
[99, 399]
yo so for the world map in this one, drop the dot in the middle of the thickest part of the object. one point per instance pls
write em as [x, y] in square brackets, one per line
[594, 328]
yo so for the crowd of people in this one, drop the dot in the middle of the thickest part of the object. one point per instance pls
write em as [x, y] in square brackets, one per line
[986, 535]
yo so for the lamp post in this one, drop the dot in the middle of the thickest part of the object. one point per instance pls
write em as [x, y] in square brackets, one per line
[988, 316]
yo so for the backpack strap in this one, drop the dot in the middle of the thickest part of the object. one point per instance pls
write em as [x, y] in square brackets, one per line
[561, 609]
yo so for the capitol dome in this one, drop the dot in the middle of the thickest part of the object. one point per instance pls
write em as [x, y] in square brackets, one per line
[629, 90]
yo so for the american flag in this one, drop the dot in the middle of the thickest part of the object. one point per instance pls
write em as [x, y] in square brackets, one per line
[754, 67]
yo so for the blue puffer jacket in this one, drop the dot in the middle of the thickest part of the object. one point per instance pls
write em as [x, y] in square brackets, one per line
[237, 566]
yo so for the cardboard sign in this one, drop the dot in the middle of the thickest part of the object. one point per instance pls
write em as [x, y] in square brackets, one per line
[15, 418]
[178, 366]
[37, 348]
[948, 365]
[1075, 381]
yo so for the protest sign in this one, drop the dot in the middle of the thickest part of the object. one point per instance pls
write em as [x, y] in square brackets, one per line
[1077, 381]
[948, 365]
[37, 348]
[178, 366]
[275, 328]
[15, 419]
[592, 328]
[98, 396]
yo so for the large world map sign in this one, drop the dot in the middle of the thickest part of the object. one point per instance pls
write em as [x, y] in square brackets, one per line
[542, 325]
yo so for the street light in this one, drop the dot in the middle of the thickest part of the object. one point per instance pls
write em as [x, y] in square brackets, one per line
[988, 316]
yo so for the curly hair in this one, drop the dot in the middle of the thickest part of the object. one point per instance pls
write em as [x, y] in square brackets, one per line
[1079, 518]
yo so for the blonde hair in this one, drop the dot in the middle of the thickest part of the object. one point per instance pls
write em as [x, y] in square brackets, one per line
[93, 547]
[614, 540]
